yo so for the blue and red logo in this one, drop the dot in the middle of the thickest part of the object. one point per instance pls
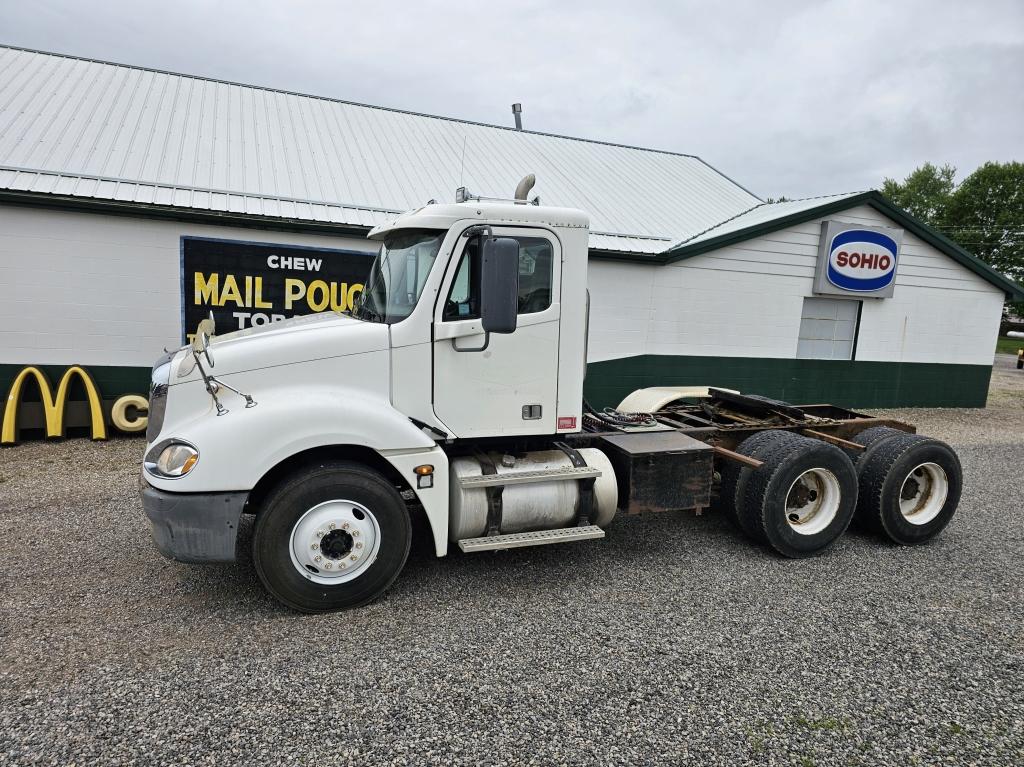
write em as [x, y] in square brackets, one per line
[862, 260]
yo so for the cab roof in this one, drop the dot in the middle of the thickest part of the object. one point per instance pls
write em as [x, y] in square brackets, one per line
[444, 215]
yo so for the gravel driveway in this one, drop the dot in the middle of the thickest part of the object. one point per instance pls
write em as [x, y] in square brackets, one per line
[670, 641]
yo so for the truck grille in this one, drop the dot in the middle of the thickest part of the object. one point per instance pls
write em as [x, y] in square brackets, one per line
[157, 408]
[159, 381]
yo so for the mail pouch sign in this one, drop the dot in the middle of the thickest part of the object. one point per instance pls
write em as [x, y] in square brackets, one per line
[857, 260]
[253, 283]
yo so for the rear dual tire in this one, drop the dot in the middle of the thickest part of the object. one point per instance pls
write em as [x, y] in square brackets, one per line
[799, 501]
[802, 498]
[736, 475]
[909, 485]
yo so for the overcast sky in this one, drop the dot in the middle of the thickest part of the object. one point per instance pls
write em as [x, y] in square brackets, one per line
[787, 97]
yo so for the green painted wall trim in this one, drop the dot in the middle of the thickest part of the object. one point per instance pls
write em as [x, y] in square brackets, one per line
[112, 381]
[847, 383]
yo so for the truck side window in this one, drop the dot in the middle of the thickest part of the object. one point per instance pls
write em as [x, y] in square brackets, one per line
[536, 268]
[535, 271]
[464, 297]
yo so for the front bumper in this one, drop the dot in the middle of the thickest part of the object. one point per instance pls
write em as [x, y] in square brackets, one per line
[194, 527]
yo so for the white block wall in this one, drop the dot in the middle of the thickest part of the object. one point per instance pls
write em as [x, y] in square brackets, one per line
[745, 300]
[100, 289]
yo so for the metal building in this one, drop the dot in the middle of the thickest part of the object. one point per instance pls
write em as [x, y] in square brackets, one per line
[133, 200]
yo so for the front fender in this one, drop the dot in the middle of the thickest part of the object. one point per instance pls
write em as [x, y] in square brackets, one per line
[293, 415]
[298, 408]
[433, 499]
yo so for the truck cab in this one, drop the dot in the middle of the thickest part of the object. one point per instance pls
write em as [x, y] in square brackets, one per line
[471, 327]
[444, 273]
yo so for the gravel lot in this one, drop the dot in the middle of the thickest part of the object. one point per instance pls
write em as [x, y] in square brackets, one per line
[670, 641]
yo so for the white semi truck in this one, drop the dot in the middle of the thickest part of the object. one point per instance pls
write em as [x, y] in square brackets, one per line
[455, 387]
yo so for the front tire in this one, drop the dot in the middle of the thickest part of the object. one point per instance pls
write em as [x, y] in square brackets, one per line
[331, 537]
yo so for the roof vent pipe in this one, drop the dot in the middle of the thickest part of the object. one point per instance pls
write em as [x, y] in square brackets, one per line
[517, 112]
[523, 187]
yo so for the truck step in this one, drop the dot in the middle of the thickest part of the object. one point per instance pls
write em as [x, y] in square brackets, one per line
[524, 477]
[536, 538]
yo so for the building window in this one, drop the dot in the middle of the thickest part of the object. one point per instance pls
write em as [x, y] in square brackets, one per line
[828, 329]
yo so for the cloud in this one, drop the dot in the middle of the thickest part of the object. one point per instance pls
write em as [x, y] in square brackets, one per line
[795, 98]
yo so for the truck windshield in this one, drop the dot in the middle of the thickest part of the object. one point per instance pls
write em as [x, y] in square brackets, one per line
[398, 275]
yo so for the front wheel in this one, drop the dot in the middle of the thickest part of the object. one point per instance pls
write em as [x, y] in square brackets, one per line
[331, 537]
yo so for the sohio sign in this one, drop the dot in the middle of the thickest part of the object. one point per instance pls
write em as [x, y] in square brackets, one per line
[857, 260]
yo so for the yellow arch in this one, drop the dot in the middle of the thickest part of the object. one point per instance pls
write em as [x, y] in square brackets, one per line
[53, 405]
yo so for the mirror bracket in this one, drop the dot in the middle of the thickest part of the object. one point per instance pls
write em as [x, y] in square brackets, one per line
[480, 230]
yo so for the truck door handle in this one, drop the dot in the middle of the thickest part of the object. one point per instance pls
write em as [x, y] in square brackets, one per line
[453, 331]
[487, 341]
[443, 330]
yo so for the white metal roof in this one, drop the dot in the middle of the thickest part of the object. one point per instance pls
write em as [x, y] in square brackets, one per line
[762, 213]
[82, 128]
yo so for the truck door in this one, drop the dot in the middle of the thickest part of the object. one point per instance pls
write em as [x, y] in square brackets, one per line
[499, 384]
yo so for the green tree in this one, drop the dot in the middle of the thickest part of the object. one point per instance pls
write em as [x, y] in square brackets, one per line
[925, 193]
[985, 215]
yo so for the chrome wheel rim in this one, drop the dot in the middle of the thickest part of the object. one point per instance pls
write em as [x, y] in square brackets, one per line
[334, 542]
[812, 501]
[923, 493]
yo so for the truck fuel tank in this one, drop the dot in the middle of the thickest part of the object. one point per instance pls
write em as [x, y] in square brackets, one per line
[527, 506]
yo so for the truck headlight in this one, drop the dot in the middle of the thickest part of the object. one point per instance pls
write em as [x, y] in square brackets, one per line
[171, 459]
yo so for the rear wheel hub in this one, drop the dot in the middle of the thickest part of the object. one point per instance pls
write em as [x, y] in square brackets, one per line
[812, 501]
[924, 493]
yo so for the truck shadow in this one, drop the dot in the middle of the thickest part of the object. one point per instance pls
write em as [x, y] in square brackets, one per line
[634, 545]
[631, 541]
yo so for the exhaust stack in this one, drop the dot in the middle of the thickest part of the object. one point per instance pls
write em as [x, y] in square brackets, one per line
[517, 112]
[523, 188]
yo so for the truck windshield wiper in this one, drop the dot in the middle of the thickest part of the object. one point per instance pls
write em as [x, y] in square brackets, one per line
[361, 311]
